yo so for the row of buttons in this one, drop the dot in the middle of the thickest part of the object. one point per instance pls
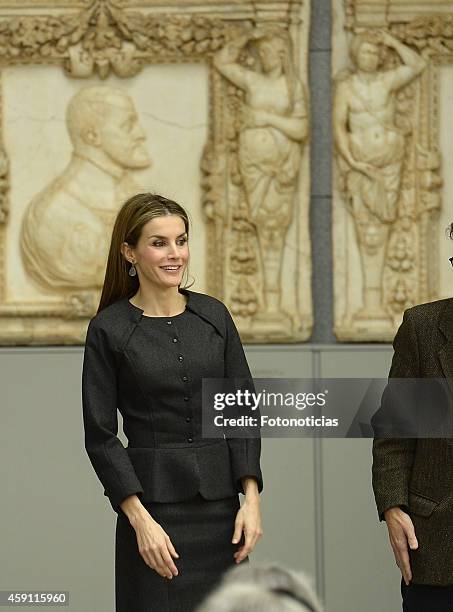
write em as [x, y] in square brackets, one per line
[185, 379]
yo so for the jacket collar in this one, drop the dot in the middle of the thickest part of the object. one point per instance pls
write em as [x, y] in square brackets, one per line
[198, 303]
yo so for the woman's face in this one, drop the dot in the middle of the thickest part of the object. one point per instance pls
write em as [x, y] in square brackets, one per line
[163, 243]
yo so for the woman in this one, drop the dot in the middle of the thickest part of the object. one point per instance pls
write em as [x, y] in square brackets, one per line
[147, 349]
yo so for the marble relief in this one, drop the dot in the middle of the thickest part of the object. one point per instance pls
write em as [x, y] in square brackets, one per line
[273, 126]
[66, 229]
[387, 234]
[252, 209]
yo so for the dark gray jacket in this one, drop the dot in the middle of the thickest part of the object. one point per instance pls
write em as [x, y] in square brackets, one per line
[167, 459]
[417, 474]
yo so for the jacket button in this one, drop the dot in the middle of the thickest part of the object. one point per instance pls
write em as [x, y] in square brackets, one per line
[186, 399]
[185, 379]
[168, 322]
[175, 339]
[181, 358]
[189, 439]
[188, 419]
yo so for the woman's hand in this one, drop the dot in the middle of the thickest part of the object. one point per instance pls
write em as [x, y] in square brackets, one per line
[248, 519]
[155, 546]
[401, 533]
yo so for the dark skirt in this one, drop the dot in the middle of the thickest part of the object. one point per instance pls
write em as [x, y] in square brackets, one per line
[201, 531]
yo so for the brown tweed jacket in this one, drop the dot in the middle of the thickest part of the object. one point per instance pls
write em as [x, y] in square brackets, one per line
[417, 474]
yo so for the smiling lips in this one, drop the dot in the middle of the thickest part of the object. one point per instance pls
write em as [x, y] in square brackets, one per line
[170, 268]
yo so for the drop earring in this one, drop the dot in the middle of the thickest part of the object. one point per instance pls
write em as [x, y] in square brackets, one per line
[132, 270]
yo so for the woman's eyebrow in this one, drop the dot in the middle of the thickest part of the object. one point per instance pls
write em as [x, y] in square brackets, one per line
[158, 236]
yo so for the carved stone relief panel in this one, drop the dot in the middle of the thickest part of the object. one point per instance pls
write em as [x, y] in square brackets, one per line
[389, 121]
[104, 99]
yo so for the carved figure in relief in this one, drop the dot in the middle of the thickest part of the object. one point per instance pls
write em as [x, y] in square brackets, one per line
[274, 125]
[66, 228]
[371, 150]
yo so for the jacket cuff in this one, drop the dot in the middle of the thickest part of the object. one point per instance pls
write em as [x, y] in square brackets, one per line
[245, 461]
[391, 502]
[257, 477]
[118, 497]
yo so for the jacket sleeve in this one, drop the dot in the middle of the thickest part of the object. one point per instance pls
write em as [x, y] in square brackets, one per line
[99, 400]
[393, 457]
[244, 452]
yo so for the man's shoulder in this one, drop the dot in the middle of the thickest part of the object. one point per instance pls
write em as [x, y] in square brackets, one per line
[429, 311]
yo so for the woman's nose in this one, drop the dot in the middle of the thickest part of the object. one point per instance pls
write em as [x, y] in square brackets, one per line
[173, 249]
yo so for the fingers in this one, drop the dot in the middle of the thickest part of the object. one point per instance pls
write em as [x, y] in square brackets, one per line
[251, 538]
[171, 548]
[156, 550]
[410, 535]
[399, 542]
[243, 552]
[151, 556]
[160, 566]
[404, 565]
[402, 537]
[169, 563]
[238, 527]
[158, 560]
[237, 531]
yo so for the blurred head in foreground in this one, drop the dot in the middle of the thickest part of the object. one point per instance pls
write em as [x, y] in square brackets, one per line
[265, 588]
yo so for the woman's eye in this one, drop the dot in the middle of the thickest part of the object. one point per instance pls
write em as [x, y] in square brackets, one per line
[160, 243]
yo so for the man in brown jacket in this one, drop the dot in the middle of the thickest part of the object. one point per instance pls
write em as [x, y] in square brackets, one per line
[413, 478]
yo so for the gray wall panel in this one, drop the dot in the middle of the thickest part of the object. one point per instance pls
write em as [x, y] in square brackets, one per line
[360, 572]
[288, 502]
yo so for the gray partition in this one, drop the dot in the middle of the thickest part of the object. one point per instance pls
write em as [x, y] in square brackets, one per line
[288, 471]
[317, 503]
[57, 529]
[359, 568]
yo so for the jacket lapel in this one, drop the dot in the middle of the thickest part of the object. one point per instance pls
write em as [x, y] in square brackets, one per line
[445, 354]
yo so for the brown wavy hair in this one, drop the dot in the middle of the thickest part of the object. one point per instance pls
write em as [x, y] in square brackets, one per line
[135, 213]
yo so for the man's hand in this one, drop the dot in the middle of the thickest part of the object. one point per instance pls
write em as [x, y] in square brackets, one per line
[401, 533]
